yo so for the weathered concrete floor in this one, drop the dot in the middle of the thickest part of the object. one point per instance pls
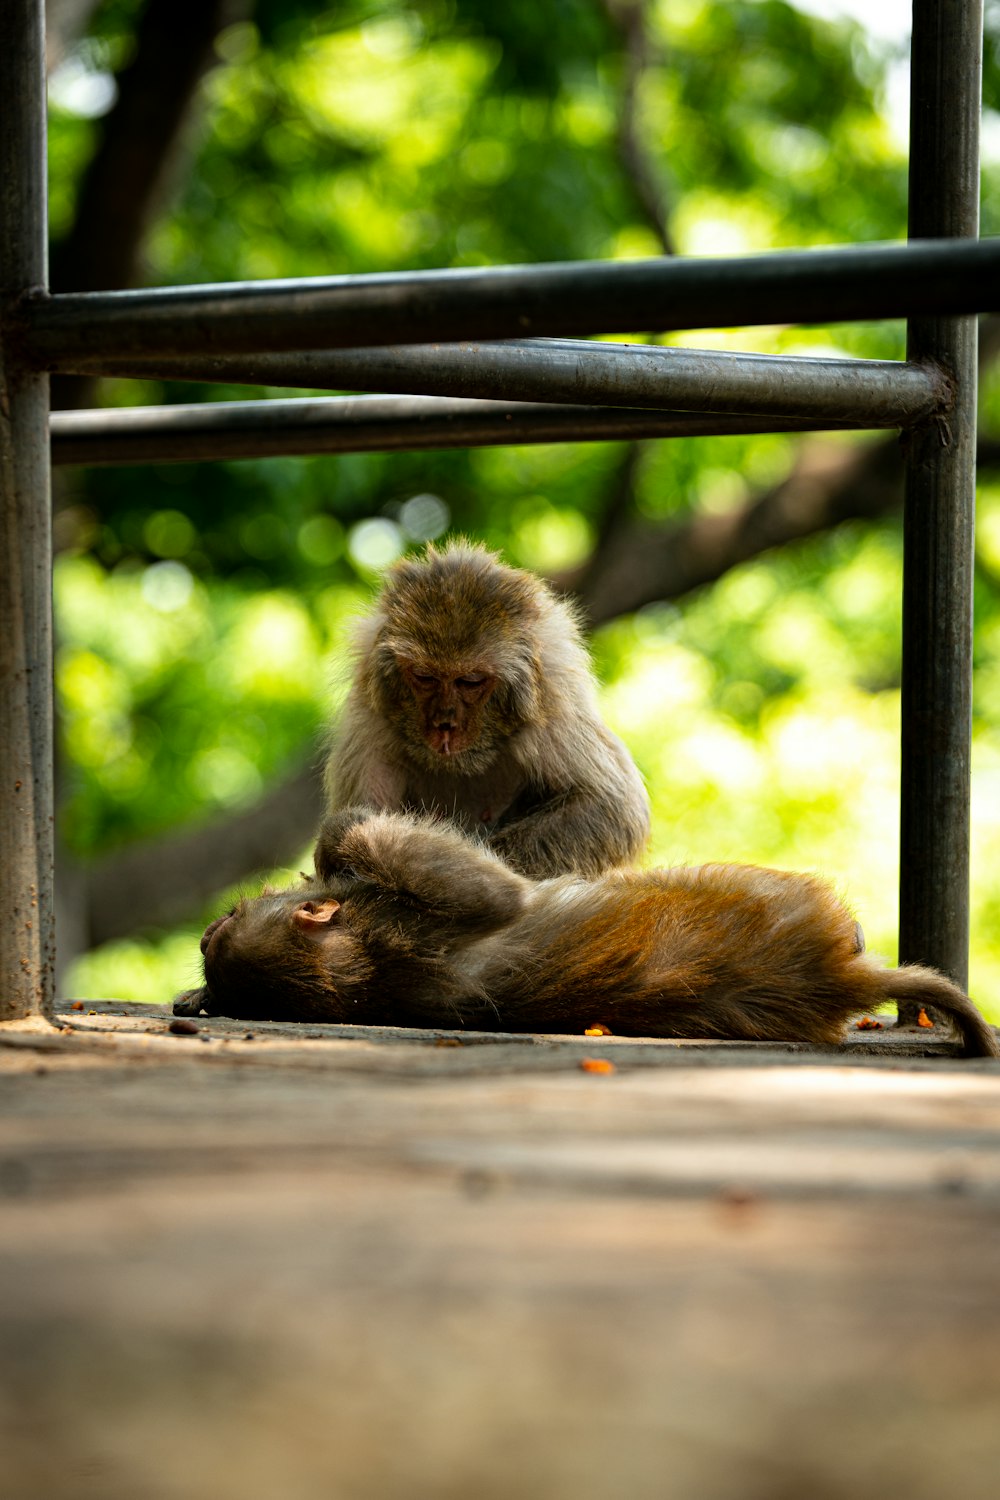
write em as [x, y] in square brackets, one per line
[325, 1264]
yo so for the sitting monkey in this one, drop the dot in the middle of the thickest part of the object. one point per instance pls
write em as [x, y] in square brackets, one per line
[473, 699]
[411, 923]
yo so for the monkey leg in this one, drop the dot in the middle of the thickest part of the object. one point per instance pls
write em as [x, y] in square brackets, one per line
[328, 856]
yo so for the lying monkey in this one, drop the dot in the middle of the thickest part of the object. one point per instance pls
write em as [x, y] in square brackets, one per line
[411, 923]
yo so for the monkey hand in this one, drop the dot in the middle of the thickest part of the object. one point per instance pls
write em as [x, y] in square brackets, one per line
[193, 1002]
[533, 845]
[579, 829]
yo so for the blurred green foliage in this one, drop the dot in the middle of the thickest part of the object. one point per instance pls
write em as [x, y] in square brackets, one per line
[202, 609]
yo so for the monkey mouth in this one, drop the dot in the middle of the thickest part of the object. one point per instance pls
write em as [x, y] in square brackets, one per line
[445, 740]
[212, 931]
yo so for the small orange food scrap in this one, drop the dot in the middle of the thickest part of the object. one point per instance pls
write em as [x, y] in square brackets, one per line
[77, 1005]
[596, 1065]
[598, 1030]
[868, 1023]
[923, 1019]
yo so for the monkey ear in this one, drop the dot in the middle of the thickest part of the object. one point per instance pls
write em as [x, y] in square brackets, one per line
[309, 915]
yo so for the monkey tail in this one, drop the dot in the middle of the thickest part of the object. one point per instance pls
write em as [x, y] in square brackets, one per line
[928, 987]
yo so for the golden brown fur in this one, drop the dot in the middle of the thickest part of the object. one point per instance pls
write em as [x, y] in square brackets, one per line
[411, 923]
[473, 699]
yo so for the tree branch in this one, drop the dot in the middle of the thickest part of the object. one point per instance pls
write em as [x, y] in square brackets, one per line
[124, 182]
[638, 562]
[629, 17]
[160, 882]
[647, 563]
[615, 514]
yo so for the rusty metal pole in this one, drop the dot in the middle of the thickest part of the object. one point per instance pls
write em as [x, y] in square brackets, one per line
[946, 72]
[27, 938]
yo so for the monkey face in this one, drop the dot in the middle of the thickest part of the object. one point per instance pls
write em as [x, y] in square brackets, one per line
[451, 668]
[449, 708]
[288, 957]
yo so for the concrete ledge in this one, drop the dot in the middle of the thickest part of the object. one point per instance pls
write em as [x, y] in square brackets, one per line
[144, 1030]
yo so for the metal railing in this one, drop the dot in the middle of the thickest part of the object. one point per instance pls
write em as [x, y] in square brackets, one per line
[432, 338]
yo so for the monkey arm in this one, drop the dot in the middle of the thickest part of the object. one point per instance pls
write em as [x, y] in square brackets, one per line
[564, 830]
[596, 818]
[449, 883]
[363, 763]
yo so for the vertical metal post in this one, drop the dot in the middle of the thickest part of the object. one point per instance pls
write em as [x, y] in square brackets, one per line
[946, 72]
[27, 940]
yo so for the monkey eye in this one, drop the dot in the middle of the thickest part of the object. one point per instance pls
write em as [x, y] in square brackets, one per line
[423, 677]
[470, 681]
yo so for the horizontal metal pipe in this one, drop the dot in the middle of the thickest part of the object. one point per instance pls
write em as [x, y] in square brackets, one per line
[364, 424]
[877, 393]
[829, 285]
